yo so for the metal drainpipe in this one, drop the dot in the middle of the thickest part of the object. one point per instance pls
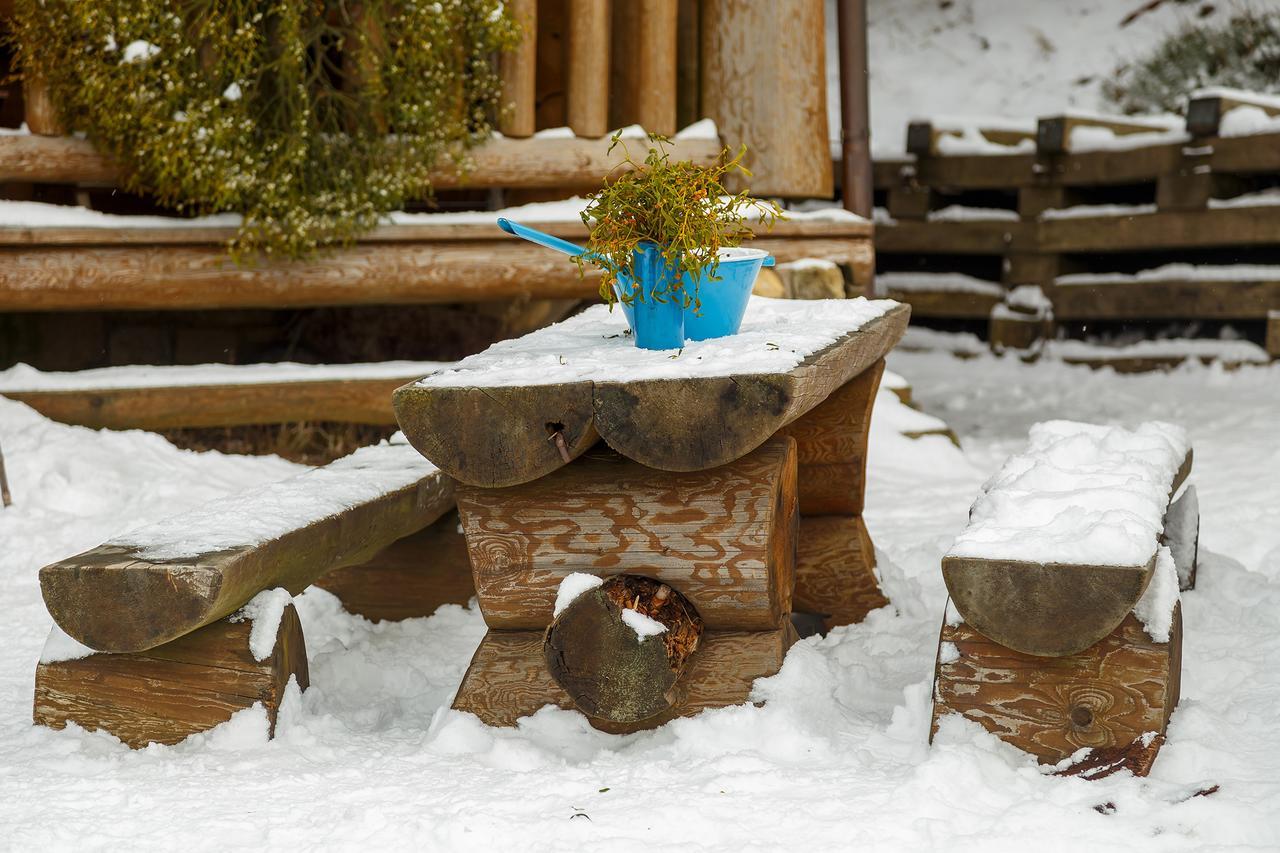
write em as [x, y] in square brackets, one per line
[855, 134]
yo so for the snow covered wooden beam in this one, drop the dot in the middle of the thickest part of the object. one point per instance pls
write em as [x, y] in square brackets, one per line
[725, 538]
[185, 686]
[1040, 573]
[1207, 108]
[1081, 131]
[169, 578]
[930, 138]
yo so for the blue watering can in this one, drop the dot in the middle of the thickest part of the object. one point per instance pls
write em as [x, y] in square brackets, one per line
[657, 320]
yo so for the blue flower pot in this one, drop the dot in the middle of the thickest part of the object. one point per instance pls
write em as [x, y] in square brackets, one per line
[655, 314]
[722, 301]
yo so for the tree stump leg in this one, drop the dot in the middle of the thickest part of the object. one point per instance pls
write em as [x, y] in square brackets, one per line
[1116, 693]
[167, 693]
[508, 677]
[409, 578]
[835, 570]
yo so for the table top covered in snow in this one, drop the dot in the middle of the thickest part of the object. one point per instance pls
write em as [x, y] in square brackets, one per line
[497, 418]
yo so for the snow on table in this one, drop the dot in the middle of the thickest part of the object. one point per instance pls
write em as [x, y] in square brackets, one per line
[594, 346]
[1078, 494]
[1174, 272]
[259, 515]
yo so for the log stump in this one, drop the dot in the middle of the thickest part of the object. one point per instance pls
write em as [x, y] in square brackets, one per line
[1107, 697]
[619, 649]
[167, 693]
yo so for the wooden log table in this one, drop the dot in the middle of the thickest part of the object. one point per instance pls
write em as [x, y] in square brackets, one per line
[715, 488]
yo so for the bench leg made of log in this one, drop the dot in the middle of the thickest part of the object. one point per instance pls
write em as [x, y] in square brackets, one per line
[1114, 698]
[835, 570]
[167, 693]
[508, 677]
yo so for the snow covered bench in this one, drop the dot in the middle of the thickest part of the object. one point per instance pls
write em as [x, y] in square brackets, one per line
[150, 624]
[1064, 626]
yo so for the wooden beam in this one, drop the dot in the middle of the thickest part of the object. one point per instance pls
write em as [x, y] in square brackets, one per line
[923, 136]
[1053, 133]
[116, 599]
[588, 66]
[835, 570]
[1273, 333]
[965, 237]
[170, 692]
[1204, 113]
[688, 70]
[1183, 299]
[1189, 229]
[41, 114]
[517, 68]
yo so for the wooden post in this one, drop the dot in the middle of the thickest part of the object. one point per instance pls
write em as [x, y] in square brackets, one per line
[855, 133]
[655, 64]
[764, 84]
[168, 693]
[588, 83]
[688, 74]
[1273, 334]
[518, 70]
[41, 115]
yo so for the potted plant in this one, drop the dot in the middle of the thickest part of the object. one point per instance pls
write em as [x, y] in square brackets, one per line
[666, 235]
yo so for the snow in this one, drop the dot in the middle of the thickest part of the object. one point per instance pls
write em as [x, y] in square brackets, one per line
[964, 134]
[1078, 494]
[1229, 94]
[1261, 198]
[937, 282]
[837, 757]
[22, 377]
[1155, 609]
[961, 213]
[264, 610]
[1095, 138]
[269, 511]
[232, 92]
[1176, 272]
[701, 129]
[776, 335]
[1080, 211]
[574, 585]
[1029, 298]
[1247, 121]
[1236, 352]
[644, 626]
[60, 646]
[139, 51]
[948, 653]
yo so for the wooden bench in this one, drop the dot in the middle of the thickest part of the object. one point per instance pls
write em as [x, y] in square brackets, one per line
[737, 490]
[1064, 629]
[150, 641]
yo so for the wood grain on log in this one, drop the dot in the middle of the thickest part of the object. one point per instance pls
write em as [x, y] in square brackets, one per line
[170, 692]
[725, 537]
[835, 570]
[508, 677]
[1047, 608]
[831, 446]
[497, 436]
[112, 600]
[411, 577]
[41, 114]
[607, 667]
[1108, 695]
[517, 67]
[642, 88]
[588, 67]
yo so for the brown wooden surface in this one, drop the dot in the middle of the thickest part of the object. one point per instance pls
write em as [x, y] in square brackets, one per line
[835, 570]
[675, 425]
[410, 578]
[1047, 609]
[688, 65]
[112, 600]
[725, 537]
[764, 84]
[1204, 114]
[946, 303]
[40, 113]
[609, 671]
[831, 446]
[517, 67]
[964, 237]
[508, 677]
[1188, 229]
[1053, 133]
[588, 67]
[1157, 300]
[643, 82]
[1105, 696]
[923, 136]
[175, 690]
[1273, 333]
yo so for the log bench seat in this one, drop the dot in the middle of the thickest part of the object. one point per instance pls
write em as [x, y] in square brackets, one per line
[1063, 630]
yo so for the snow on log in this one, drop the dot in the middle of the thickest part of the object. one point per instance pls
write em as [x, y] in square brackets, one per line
[166, 579]
[726, 538]
[618, 649]
[502, 417]
[1062, 542]
[1182, 535]
[177, 689]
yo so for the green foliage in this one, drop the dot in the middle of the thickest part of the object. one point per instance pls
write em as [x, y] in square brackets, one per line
[680, 206]
[311, 118]
[1242, 53]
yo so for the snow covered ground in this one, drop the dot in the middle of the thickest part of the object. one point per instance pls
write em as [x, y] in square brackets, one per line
[371, 758]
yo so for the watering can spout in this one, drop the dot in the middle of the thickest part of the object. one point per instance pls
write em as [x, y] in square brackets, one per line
[533, 235]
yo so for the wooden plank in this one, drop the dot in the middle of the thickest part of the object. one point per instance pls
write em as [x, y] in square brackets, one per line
[1107, 695]
[964, 237]
[1273, 333]
[1140, 299]
[168, 693]
[588, 67]
[964, 304]
[508, 678]
[764, 84]
[688, 70]
[923, 136]
[1053, 133]
[1204, 114]
[1214, 228]
[835, 570]
[114, 599]
[410, 578]
[831, 445]
[674, 425]
[642, 86]
[518, 70]
[725, 537]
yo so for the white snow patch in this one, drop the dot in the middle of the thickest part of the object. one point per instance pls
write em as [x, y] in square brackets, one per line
[1084, 211]
[962, 213]
[948, 653]
[644, 626]
[953, 617]
[776, 335]
[1230, 94]
[574, 585]
[1262, 198]
[702, 129]
[264, 610]
[1236, 352]
[232, 92]
[138, 51]
[1176, 272]
[937, 282]
[1078, 494]
[1094, 138]
[60, 646]
[1155, 609]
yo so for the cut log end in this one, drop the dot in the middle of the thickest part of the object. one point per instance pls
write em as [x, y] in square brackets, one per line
[618, 650]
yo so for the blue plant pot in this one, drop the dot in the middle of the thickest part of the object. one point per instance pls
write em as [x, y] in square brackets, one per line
[722, 301]
[656, 315]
